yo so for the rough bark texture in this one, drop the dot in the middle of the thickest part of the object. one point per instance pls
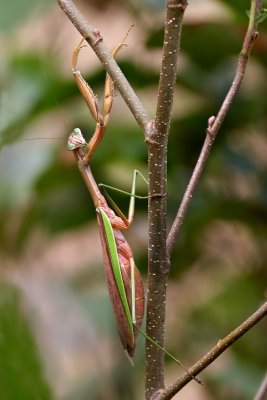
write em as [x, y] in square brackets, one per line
[158, 264]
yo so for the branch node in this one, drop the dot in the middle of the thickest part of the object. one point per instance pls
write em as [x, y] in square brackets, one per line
[182, 6]
[209, 130]
[211, 121]
[150, 133]
[255, 36]
[98, 37]
[151, 141]
[156, 195]
[156, 395]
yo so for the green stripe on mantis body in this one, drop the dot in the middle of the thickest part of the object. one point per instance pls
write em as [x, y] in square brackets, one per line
[113, 254]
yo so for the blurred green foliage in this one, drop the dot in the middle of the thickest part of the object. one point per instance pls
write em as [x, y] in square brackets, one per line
[221, 254]
[20, 372]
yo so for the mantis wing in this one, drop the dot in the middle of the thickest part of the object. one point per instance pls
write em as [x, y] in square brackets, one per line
[114, 259]
[124, 294]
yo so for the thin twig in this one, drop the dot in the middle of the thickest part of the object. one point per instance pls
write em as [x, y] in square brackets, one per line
[95, 40]
[262, 391]
[158, 266]
[213, 128]
[214, 353]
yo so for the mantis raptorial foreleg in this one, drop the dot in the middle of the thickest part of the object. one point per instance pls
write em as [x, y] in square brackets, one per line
[91, 99]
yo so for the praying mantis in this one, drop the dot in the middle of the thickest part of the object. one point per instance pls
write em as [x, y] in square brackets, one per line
[123, 278]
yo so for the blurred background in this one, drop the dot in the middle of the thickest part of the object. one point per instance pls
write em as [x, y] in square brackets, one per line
[57, 334]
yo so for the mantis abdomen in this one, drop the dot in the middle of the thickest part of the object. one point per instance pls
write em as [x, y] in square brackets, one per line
[127, 321]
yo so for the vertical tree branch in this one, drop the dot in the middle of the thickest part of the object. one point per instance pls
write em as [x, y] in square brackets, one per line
[158, 265]
[213, 128]
[156, 135]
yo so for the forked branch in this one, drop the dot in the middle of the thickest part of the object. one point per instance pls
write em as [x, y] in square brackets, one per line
[214, 125]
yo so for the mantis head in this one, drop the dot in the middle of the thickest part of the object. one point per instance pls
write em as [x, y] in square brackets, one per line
[76, 140]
